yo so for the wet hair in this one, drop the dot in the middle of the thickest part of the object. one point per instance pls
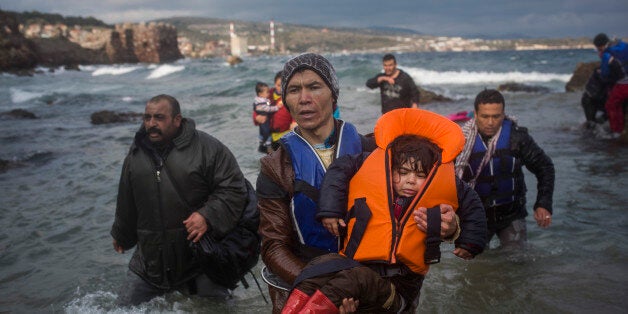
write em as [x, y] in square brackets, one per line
[416, 149]
[489, 96]
[259, 86]
[175, 109]
[600, 40]
[388, 57]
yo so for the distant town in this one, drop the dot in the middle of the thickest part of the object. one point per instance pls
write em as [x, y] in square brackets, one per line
[199, 37]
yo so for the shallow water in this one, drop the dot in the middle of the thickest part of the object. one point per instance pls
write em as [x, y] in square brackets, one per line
[57, 204]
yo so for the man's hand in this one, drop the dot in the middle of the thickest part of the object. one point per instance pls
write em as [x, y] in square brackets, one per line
[543, 217]
[117, 247]
[196, 226]
[260, 119]
[447, 220]
[462, 253]
[349, 305]
[385, 78]
[332, 225]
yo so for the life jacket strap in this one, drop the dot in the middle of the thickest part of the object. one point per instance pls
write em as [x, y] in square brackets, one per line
[362, 216]
[326, 267]
[433, 240]
[310, 191]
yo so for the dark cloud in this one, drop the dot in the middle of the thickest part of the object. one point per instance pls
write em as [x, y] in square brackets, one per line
[532, 18]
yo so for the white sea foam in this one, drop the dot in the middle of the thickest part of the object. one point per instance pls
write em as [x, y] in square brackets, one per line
[114, 70]
[18, 95]
[422, 76]
[164, 70]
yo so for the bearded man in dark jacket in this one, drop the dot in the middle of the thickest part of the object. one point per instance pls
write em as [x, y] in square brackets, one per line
[495, 151]
[177, 184]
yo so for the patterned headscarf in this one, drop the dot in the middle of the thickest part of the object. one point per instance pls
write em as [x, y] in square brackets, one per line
[470, 131]
[316, 63]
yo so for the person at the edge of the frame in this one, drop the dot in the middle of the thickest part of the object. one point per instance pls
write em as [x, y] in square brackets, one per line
[289, 178]
[396, 87]
[177, 184]
[610, 51]
[495, 151]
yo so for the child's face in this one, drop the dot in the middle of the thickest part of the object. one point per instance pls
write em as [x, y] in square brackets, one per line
[265, 92]
[407, 181]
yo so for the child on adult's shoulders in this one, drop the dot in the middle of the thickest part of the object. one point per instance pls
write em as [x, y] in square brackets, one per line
[263, 110]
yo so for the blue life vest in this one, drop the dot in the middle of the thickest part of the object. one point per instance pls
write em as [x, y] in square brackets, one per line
[496, 182]
[308, 174]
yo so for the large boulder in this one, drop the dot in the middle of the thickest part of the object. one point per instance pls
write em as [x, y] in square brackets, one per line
[581, 76]
[429, 96]
[18, 114]
[518, 87]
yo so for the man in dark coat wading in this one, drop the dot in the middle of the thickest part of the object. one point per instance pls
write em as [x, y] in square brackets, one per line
[177, 184]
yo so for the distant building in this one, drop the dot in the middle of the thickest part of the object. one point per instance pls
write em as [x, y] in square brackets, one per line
[239, 46]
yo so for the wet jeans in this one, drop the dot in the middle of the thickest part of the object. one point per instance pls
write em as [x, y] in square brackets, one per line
[135, 290]
[514, 235]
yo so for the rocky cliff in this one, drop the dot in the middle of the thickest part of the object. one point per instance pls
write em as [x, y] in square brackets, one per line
[25, 46]
[17, 54]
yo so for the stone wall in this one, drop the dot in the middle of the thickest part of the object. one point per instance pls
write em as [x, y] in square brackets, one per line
[152, 43]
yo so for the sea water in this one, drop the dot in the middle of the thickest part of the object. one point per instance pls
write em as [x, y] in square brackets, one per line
[57, 203]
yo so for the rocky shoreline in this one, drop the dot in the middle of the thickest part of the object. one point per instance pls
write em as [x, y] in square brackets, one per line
[126, 43]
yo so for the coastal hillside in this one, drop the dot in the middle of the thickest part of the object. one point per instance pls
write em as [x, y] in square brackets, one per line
[54, 40]
[202, 37]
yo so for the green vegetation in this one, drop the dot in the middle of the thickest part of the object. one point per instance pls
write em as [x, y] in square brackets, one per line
[34, 17]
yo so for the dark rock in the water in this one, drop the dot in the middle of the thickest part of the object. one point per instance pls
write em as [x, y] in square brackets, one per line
[106, 116]
[429, 96]
[517, 87]
[233, 60]
[8, 164]
[19, 114]
[581, 75]
[72, 67]
[4, 164]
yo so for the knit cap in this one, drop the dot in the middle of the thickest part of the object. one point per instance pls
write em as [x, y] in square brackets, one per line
[316, 63]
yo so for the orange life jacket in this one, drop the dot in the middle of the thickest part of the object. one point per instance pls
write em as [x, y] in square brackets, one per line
[374, 235]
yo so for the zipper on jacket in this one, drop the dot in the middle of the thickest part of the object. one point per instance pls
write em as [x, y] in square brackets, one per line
[159, 165]
[158, 170]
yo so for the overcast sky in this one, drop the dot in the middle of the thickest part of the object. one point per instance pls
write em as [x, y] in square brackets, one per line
[467, 18]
